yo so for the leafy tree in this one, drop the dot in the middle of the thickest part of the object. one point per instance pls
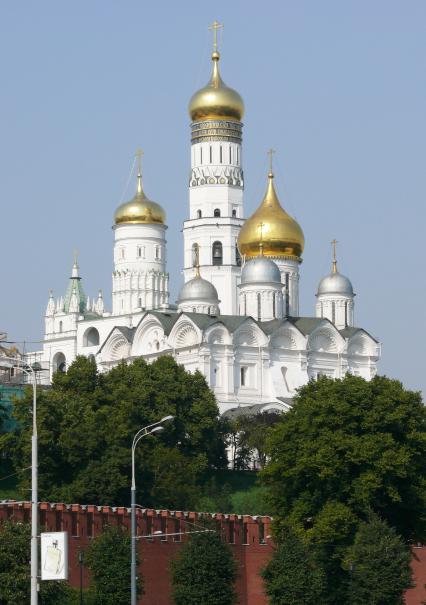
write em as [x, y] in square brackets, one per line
[345, 447]
[354, 445]
[87, 421]
[15, 569]
[292, 576]
[247, 438]
[379, 564]
[204, 572]
[108, 559]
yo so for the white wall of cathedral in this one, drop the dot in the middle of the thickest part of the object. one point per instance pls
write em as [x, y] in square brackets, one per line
[290, 277]
[262, 302]
[195, 306]
[242, 367]
[337, 309]
[139, 278]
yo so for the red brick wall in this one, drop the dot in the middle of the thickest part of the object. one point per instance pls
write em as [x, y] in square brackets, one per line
[248, 536]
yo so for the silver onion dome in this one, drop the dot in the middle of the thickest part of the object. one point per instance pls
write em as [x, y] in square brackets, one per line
[260, 270]
[335, 283]
[198, 289]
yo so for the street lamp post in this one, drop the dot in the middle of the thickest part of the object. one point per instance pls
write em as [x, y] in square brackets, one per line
[143, 432]
[10, 362]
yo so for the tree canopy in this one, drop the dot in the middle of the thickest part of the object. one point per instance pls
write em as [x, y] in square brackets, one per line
[108, 558]
[204, 572]
[86, 425]
[292, 576]
[15, 569]
[379, 565]
[348, 446]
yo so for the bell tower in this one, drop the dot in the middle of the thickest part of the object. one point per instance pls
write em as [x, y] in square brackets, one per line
[216, 185]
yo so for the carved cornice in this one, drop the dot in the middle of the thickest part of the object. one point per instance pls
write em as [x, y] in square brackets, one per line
[217, 175]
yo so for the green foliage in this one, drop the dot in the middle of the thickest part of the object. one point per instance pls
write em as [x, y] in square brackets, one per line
[15, 569]
[355, 444]
[87, 421]
[108, 559]
[250, 502]
[379, 564]
[204, 572]
[292, 576]
[348, 446]
[247, 437]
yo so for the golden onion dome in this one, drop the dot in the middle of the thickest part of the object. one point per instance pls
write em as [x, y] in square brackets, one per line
[271, 230]
[140, 209]
[216, 101]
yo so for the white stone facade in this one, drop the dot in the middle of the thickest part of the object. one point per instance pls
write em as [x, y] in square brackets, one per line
[245, 337]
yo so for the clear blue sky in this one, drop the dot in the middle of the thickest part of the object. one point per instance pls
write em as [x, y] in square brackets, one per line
[337, 88]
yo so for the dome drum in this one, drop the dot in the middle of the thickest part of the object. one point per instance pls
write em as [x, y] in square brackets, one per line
[214, 130]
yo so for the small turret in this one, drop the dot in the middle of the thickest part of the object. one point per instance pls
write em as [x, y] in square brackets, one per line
[335, 296]
[50, 309]
[100, 307]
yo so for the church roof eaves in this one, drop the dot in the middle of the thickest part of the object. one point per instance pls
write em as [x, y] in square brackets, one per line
[348, 332]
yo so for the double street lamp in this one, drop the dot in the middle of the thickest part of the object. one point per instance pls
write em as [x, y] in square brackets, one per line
[151, 429]
[10, 363]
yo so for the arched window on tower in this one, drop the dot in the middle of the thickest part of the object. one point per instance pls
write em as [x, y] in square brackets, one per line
[199, 214]
[217, 253]
[211, 154]
[333, 312]
[61, 326]
[346, 312]
[221, 159]
[274, 305]
[259, 307]
[216, 212]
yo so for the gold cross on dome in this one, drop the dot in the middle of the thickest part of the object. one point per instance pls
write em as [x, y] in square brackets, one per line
[333, 243]
[214, 27]
[138, 156]
[271, 153]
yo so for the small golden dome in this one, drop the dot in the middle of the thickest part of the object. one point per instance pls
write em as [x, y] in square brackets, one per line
[140, 209]
[216, 101]
[271, 230]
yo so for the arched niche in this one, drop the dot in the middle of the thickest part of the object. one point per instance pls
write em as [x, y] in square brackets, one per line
[91, 338]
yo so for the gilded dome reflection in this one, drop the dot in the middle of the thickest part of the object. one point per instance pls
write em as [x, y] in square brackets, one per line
[216, 101]
[272, 229]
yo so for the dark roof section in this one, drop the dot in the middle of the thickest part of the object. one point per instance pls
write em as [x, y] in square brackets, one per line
[249, 410]
[349, 332]
[128, 334]
[167, 320]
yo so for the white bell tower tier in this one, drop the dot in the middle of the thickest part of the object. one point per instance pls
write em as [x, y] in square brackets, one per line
[216, 187]
[139, 279]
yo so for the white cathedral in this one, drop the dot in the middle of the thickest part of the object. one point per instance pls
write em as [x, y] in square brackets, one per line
[237, 315]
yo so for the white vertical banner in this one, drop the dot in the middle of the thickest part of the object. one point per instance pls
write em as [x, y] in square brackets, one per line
[54, 555]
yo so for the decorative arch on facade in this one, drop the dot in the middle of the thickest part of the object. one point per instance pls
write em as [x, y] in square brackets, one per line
[149, 337]
[91, 337]
[250, 335]
[325, 339]
[361, 344]
[186, 336]
[217, 336]
[117, 348]
[287, 337]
